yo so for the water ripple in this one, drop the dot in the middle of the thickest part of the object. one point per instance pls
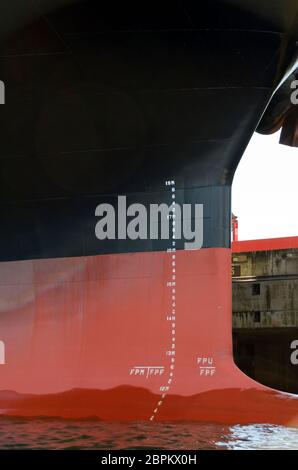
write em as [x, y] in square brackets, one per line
[16, 433]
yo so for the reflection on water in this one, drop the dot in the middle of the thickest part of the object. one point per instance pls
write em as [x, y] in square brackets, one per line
[44, 433]
[260, 436]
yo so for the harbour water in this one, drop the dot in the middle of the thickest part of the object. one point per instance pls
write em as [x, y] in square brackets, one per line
[44, 433]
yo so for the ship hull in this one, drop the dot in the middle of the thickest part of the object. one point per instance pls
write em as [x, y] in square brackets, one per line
[96, 337]
[101, 105]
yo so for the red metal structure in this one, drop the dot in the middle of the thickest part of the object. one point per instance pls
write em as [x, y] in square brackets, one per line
[234, 228]
[265, 244]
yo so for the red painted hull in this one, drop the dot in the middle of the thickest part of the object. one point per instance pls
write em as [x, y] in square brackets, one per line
[80, 334]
